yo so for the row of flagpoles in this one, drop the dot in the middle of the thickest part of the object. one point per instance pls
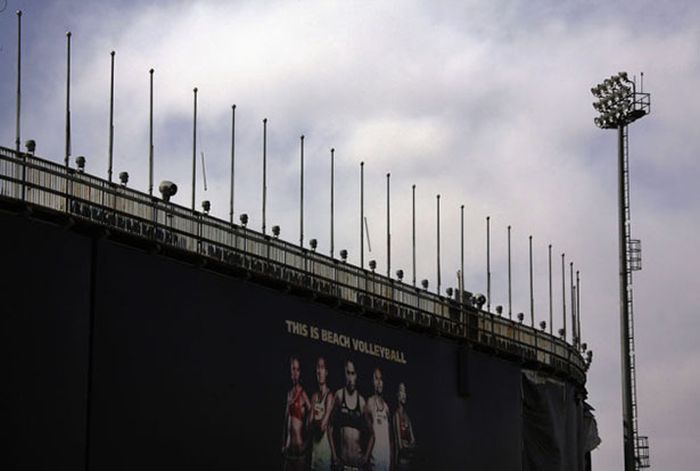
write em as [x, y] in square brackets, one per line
[574, 288]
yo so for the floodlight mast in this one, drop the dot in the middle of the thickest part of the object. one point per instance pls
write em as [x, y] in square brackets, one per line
[620, 104]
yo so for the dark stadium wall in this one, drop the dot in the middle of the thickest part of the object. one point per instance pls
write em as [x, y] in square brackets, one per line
[190, 368]
[44, 325]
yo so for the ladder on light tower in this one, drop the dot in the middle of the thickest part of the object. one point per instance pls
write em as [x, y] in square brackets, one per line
[634, 263]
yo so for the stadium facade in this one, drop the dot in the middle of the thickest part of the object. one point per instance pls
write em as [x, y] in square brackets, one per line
[139, 334]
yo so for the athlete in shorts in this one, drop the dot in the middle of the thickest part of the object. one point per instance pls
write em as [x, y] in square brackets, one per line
[348, 419]
[377, 416]
[321, 408]
[295, 413]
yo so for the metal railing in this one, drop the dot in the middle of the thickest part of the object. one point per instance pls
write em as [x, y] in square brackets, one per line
[44, 184]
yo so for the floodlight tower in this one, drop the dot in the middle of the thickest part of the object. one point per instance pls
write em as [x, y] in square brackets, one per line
[620, 104]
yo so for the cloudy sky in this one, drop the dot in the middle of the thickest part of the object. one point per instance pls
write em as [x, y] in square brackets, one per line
[485, 102]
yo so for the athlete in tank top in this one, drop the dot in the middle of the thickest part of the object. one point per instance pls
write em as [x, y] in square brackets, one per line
[296, 405]
[377, 415]
[322, 405]
[297, 408]
[349, 417]
[404, 428]
[349, 420]
[405, 440]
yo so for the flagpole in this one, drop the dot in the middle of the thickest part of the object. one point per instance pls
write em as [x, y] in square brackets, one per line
[233, 158]
[194, 150]
[19, 79]
[264, 178]
[563, 292]
[413, 225]
[362, 215]
[68, 143]
[488, 263]
[532, 296]
[461, 271]
[332, 200]
[388, 225]
[573, 304]
[510, 291]
[301, 195]
[578, 308]
[111, 119]
[439, 280]
[551, 310]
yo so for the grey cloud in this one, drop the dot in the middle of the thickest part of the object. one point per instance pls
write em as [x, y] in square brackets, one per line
[486, 103]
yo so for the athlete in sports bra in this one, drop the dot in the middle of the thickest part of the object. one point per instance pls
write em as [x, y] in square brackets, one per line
[405, 440]
[378, 451]
[322, 406]
[295, 413]
[349, 421]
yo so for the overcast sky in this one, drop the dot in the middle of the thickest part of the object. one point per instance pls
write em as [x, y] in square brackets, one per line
[485, 102]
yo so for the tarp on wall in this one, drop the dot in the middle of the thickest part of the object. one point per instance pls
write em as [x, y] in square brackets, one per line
[559, 429]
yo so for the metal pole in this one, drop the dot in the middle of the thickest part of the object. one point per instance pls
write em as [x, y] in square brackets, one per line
[194, 150]
[413, 226]
[439, 278]
[264, 178]
[578, 308]
[111, 119]
[574, 295]
[68, 146]
[563, 293]
[19, 78]
[150, 135]
[19, 104]
[627, 417]
[488, 263]
[332, 200]
[532, 295]
[573, 304]
[362, 215]
[301, 195]
[510, 280]
[233, 159]
[388, 225]
[461, 269]
[551, 311]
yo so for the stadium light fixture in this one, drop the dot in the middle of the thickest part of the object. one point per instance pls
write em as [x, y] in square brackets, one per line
[619, 104]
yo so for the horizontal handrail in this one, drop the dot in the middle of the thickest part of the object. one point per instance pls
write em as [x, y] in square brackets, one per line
[56, 187]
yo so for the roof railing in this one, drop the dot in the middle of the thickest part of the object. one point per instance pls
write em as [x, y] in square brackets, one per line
[47, 185]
